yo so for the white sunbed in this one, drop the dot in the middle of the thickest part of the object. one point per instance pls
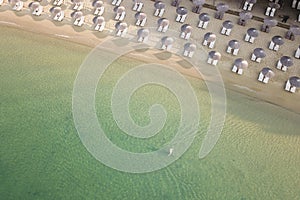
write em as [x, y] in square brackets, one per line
[79, 21]
[99, 11]
[59, 16]
[18, 6]
[121, 16]
[78, 6]
[138, 7]
[58, 2]
[99, 27]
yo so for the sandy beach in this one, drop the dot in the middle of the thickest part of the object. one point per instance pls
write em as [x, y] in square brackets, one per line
[246, 84]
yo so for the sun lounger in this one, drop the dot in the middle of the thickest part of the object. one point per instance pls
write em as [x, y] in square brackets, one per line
[18, 6]
[58, 2]
[99, 11]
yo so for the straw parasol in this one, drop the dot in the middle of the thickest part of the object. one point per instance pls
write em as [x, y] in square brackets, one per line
[119, 9]
[240, 63]
[143, 32]
[274, 5]
[204, 17]
[163, 22]
[278, 40]
[234, 44]
[76, 14]
[190, 47]
[121, 26]
[97, 4]
[186, 28]
[228, 24]
[167, 40]
[295, 81]
[251, 1]
[270, 22]
[214, 55]
[76, 1]
[252, 32]
[175, 3]
[222, 7]
[140, 16]
[259, 53]
[159, 5]
[267, 72]
[210, 37]
[98, 20]
[286, 61]
[197, 6]
[295, 29]
[181, 10]
[55, 10]
[244, 15]
[34, 5]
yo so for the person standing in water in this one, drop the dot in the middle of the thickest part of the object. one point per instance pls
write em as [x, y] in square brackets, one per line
[170, 151]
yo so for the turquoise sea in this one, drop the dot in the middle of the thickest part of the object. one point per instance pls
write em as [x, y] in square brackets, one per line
[42, 157]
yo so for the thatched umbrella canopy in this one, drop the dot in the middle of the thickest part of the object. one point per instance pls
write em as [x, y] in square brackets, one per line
[197, 5]
[121, 26]
[167, 41]
[76, 1]
[240, 63]
[175, 3]
[286, 61]
[270, 22]
[163, 22]
[186, 28]
[159, 5]
[204, 17]
[210, 37]
[181, 10]
[295, 29]
[234, 44]
[251, 1]
[278, 40]
[140, 16]
[119, 9]
[76, 14]
[97, 4]
[253, 32]
[222, 7]
[34, 5]
[13, 2]
[295, 81]
[244, 15]
[228, 24]
[98, 20]
[274, 5]
[259, 53]
[198, 2]
[267, 72]
[190, 47]
[214, 55]
[143, 32]
[55, 10]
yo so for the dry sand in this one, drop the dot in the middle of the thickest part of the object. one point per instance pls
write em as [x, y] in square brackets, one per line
[246, 84]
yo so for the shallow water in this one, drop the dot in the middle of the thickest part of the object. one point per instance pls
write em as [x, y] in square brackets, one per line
[42, 157]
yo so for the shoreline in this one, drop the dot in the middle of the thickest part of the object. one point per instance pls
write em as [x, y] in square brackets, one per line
[91, 39]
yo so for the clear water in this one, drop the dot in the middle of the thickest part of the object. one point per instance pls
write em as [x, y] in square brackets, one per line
[42, 157]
